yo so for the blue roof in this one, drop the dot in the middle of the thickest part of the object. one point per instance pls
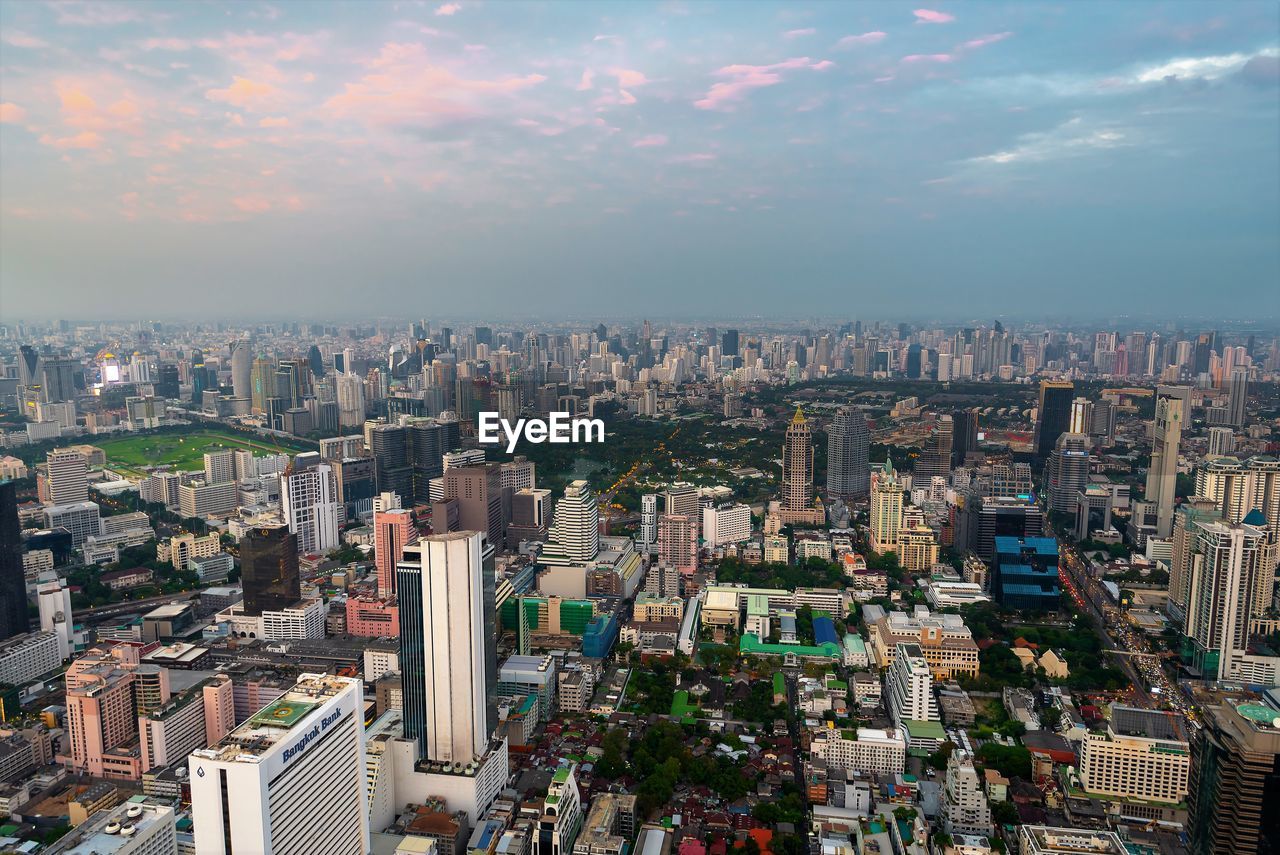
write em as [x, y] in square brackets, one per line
[1039, 545]
[1254, 517]
[824, 630]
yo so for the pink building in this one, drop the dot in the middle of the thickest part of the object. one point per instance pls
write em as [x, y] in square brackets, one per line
[368, 617]
[219, 708]
[678, 542]
[102, 722]
[392, 530]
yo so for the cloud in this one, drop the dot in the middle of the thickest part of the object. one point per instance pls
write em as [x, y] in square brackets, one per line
[20, 39]
[628, 78]
[1073, 138]
[823, 65]
[801, 33]
[242, 92]
[650, 141]
[928, 57]
[865, 39]
[82, 140]
[931, 16]
[606, 37]
[1262, 69]
[588, 76]
[696, 157]
[1202, 67]
[252, 204]
[274, 122]
[448, 9]
[10, 112]
[741, 79]
[983, 41]
[95, 14]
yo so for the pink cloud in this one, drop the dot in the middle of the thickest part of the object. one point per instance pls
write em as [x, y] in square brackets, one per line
[625, 97]
[801, 33]
[743, 78]
[448, 9]
[983, 41]
[629, 78]
[932, 16]
[20, 39]
[82, 140]
[10, 112]
[252, 204]
[823, 65]
[928, 57]
[274, 122]
[864, 39]
[650, 141]
[696, 157]
[588, 76]
[242, 92]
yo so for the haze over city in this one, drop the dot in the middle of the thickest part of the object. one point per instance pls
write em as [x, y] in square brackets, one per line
[1048, 159]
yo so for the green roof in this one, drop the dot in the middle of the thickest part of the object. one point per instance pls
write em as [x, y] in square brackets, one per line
[750, 644]
[924, 729]
[779, 683]
[282, 713]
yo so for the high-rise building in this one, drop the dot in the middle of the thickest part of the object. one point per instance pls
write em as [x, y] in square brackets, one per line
[726, 524]
[678, 542]
[964, 435]
[480, 499]
[648, 534]
[262, 383]
[309, 499]
[797, 465]
[393, 470]
[936, 457]
[681, 498]
[68, 476]
[1238, 396]
[1235, 781]
[1162, 474]
[574, 537]
[269, 569]
[910, 686]
[1143, 754]
[1237, 487]
[886, 509]
[290, 779]
[848, 449]
[13, 587]
[1053, 414]
[1222, 442]
[1024, 573]
[448, 646]
[1067, 471]
[393, 530]
[220, 466]
[242, 370]
[964, 804]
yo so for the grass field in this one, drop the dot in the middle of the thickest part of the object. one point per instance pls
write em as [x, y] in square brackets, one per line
[184, 451]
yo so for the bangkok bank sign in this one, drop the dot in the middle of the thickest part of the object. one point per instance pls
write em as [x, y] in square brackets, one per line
[560, 428]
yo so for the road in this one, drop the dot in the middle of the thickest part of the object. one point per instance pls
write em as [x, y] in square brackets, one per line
[103, 613]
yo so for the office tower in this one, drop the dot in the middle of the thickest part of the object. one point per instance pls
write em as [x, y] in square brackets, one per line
[1220, 576]
[1238, 395]
[199, 377]
[479, 496]
[729, 343]
[1142, 754]
[574, 537]
[964, 435]
[269, 569]
[681, 498]
[1067, 471]
[678, 542]
[351, 402]
[315, 361]
[1081, 416]
[13, 587]
[262, 383]
[59, 379]
[530, 514]
[797, 465]
[1234, 784]
[726, 524]
[393, 471]
[935, 459]
[220, 466]
[886, 509]
[1053, 414]
[393, 530]
[29, 362]
[68, 476]
[290, 779]
[648, 534]
[1162, 474]
[1102, 423]
[964, 804]
[1222, 441]
[54, 600]
[910, 685]
[242, 370]
[1024, 573]
[1237, 487]
[848, 449]
[914, 361]
[448, 646]
[309, 499]
[428, 442]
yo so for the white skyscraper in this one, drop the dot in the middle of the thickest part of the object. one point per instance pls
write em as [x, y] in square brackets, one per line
[964, 806]
[910, 684]
[290, 779]
[309, 498]
[648, 535]
[68, 476]
[1162, 475]
[448, 646]
[54, 600]
[220, 466]
[574, 537]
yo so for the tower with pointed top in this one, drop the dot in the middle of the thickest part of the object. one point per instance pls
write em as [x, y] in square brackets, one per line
[797, 465]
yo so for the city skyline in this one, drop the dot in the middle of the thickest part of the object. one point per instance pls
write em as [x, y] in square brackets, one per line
[642, 159]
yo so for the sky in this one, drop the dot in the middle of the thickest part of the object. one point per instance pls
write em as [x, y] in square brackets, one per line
[524, 159]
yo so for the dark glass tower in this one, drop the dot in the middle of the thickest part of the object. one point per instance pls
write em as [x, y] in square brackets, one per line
[13, 586]
[269, 569]
[848, 449]
[1053, 414]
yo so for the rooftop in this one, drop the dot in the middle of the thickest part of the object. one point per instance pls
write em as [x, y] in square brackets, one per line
[275, 722]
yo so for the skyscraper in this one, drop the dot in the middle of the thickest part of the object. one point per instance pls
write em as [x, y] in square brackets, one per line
[1162, 474]
[262, 383]
[574, 537]
[936, 457]
[393, 472]
[848, 448]
[309, 499]
[797, 465]
[964, 435]
[14, 619]
[290, 779]
[1067, 471]
[393, 530]
[68, 476]
[241, 370]
[269, 569]
[1238, 395]
[448, 646]
[1053, 414]
[886, 509]
[1235, 781]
